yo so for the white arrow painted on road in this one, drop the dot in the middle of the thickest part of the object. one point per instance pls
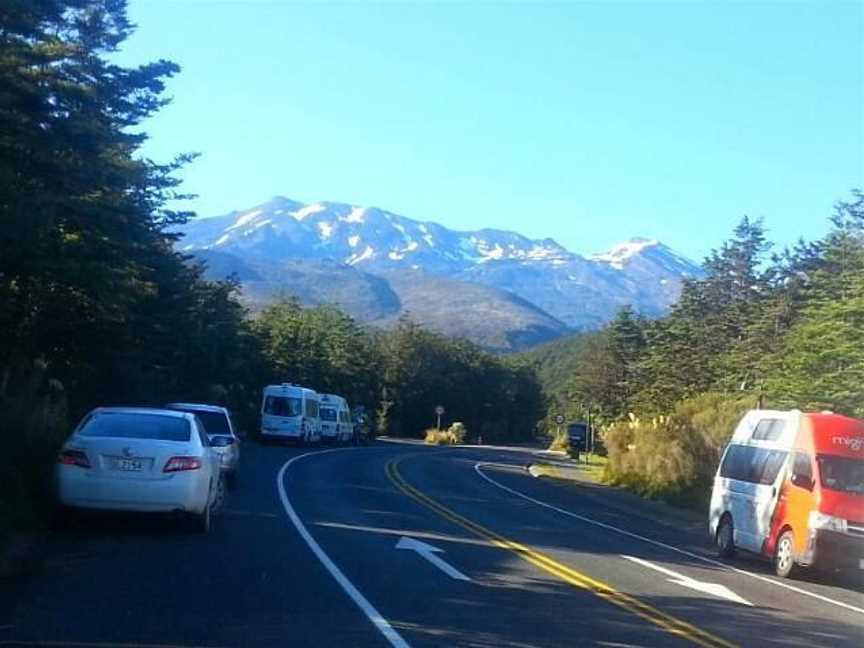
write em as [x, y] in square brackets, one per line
[428, 552]
[715, 589]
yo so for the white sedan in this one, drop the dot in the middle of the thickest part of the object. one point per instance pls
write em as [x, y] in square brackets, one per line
[138, 459]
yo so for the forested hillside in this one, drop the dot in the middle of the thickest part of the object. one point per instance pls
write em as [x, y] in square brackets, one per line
[782, 329]
[99, 309]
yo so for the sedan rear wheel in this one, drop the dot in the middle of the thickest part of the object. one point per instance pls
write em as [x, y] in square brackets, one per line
[201, 522]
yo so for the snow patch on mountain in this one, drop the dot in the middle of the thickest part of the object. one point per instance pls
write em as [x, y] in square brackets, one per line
[308, 210]
[368, 253]
[326, 229]
[357, 215]
[244, 219]
[618, 256]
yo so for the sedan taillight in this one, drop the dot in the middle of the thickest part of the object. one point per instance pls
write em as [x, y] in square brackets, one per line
[73, 458]
[178, 464]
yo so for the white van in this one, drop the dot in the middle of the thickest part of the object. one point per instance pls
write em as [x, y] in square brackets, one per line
[290, 412]
[790, 487]
[336, 423]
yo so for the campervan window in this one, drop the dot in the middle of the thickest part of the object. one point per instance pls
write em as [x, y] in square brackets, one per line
[312, 408]
[328, 414]
[769, 430]
[752, 464]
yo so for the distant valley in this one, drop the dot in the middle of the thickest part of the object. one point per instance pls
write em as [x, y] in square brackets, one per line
[497, 288]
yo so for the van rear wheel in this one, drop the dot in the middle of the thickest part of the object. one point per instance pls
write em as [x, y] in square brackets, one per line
[726, 537]
[784, 555]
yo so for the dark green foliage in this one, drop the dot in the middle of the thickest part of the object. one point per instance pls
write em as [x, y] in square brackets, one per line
[786, 332]
[93, 295]
[97, 308]
[495, 398]
[320, 347]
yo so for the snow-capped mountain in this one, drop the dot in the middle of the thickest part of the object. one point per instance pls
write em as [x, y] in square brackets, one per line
[365, 237]
[567, 287]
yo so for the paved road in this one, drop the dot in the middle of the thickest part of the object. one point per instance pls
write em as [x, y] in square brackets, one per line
[305, 554]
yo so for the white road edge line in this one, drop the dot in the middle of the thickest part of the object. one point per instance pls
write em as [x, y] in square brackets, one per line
[362, 602]
[478, 469]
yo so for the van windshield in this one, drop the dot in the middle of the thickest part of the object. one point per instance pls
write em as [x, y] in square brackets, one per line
[328, 414]
[841, 473]
[283, 406]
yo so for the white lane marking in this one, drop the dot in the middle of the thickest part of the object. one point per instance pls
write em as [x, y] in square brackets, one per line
[362, 602]
[428, 552]
[715, 589]
[656, 543]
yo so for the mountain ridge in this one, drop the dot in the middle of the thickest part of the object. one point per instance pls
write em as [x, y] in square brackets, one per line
[562, 286]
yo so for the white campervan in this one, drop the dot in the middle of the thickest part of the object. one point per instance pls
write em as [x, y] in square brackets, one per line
[336, 423]
[290, 412]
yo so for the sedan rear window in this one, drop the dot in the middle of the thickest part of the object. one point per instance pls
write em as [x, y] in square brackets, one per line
[136, 426]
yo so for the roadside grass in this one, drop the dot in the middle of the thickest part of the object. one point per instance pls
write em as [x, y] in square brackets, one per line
[594, 468]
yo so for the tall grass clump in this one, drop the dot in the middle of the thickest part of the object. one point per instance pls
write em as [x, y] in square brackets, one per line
[454, 434]
[673, 457]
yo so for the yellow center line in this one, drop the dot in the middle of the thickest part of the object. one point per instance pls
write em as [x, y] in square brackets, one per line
[567, 574]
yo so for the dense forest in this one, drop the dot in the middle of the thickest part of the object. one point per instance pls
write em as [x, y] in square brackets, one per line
[781, 330]
[98, 308]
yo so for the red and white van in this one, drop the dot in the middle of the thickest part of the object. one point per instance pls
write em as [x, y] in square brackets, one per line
[790, 486]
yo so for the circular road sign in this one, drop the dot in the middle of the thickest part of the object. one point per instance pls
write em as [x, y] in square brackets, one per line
[439, 410]
[559, 419]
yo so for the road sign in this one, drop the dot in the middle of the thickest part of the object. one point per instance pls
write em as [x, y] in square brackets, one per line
[559, 419]
[439, 410]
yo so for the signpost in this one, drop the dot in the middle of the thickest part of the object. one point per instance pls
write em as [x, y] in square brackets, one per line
[558, 421]
[439, 410]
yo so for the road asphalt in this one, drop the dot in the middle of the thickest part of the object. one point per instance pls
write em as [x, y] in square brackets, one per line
[398, 544]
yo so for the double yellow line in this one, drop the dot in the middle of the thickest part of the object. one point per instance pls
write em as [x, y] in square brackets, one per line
[568, 575]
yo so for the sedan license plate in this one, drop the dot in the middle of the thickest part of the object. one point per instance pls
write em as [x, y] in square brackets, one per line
[129, 465]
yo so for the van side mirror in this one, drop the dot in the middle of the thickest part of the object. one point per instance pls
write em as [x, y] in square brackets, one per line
[802, 481]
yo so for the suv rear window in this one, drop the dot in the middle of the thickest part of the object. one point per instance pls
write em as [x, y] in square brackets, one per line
[215, 423]
[136, 426]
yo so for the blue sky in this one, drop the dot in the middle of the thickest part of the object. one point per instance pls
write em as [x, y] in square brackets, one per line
[587, 122]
